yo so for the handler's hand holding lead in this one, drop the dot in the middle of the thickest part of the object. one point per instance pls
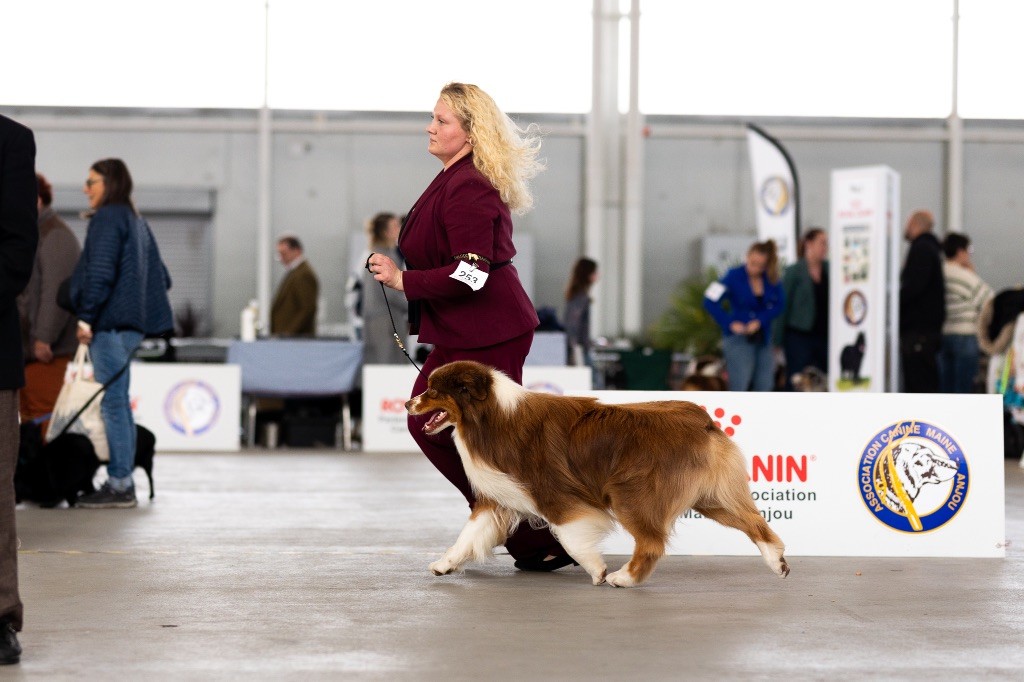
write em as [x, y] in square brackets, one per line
[385, 271]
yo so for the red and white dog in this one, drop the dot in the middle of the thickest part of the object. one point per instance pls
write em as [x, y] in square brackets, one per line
[580, 466]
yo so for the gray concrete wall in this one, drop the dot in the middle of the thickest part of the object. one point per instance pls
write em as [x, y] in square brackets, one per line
[325, 185]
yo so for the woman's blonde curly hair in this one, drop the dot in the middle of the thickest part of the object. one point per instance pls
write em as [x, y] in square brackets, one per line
[505, 153]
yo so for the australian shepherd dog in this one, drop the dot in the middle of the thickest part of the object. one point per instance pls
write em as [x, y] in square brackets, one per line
[580, 466]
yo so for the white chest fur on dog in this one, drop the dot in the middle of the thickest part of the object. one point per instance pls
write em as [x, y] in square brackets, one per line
[494, 485]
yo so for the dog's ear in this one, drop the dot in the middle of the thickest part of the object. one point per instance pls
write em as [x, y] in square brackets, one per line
[477, 384]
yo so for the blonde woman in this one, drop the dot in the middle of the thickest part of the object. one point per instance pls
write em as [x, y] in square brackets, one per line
[457, 242]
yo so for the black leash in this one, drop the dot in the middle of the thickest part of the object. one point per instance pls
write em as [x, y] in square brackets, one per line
[89, 402]
[394, 328]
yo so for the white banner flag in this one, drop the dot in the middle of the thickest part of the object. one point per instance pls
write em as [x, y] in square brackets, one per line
[776, 193]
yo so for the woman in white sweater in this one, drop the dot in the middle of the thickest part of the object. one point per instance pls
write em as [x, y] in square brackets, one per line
[966, 293]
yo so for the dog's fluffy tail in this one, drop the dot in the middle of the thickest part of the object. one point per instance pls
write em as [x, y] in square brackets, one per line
[731, 488]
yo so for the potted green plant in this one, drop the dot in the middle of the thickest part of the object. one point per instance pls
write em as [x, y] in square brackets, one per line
[686, 326]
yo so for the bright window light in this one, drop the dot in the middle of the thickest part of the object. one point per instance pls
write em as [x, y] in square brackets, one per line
[991, 59]
[530, 55]
[871, 58]
[132, 53]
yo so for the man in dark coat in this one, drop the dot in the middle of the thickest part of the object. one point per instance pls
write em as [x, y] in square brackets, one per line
[922, 306]
[18, 237]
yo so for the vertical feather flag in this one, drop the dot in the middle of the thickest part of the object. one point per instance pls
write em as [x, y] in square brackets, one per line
[776, 192]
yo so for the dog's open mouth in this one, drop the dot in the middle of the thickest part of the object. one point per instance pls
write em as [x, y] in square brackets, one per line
[436, 421]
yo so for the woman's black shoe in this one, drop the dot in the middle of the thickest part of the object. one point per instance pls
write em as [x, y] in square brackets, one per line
[543, 564]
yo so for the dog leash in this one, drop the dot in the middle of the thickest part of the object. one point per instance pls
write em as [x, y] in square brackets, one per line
[394, 328]
[89, 401]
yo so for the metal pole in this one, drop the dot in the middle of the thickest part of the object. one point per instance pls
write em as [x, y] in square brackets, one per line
[632, 246]
[263, 219]
[601, 221]
[955, 159]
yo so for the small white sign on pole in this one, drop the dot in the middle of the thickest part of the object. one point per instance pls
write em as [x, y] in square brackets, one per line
[855, 474]
[387, 387]
[188, 407]
[864, 244]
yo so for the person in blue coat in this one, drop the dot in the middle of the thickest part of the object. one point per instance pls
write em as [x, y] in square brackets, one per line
[119, 293]
[744, 303]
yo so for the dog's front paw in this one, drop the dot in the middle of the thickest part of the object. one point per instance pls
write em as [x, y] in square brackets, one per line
[443, 567]
[599, 578]
[621, 578]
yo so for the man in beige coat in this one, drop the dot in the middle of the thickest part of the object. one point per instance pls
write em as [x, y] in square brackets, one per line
[293, 312]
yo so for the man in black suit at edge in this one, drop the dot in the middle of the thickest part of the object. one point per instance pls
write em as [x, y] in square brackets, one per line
[18, 237]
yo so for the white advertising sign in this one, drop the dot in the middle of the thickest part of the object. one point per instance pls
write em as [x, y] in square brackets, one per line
[855, 474]
[864, 286]
[387, 387]
[188, 407]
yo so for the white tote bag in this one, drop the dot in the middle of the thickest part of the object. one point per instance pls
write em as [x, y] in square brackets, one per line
[79, 388]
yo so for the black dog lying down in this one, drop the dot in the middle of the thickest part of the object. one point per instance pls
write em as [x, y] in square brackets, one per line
[64, 468]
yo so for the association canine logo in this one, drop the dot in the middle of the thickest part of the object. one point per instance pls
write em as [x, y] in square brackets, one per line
[192, 407]
[775, 195]
[913, 476]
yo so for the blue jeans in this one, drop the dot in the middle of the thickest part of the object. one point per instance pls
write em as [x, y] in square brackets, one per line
[751, 366]
[958, 363]
[110, 350]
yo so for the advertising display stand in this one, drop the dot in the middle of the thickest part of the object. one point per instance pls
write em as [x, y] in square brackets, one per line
[864, 244]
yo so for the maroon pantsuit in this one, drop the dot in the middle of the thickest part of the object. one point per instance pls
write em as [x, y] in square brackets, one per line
[461, 213]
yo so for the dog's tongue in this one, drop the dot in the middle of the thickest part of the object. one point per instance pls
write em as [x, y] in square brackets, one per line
[435, 419]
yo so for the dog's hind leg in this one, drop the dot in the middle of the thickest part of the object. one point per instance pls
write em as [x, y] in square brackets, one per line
[650, 547]
[487, 527]
[581, 538]
[757, 529]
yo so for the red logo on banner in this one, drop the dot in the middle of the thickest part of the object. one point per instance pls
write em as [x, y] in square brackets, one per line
[392, 405]
[728, 425]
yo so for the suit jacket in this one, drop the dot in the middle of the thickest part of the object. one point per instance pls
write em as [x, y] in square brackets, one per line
[461, 212]
[293, 312]
[744, 306]
[18, 237]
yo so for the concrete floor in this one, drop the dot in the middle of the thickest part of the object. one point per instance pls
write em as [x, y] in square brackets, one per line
[313, 565]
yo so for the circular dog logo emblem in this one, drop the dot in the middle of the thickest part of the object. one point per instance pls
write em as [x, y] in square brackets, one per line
[192, 407]
[855, 307]
[775, 195]
[913, 476]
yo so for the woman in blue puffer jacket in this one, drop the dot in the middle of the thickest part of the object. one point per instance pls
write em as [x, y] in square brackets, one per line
[744, 302]
[119, 293]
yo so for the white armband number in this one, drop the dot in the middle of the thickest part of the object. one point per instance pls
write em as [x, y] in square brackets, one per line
[714, 291]
[469, 275]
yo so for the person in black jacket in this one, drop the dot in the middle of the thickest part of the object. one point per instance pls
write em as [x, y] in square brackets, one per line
[18, 238]
[922, 306]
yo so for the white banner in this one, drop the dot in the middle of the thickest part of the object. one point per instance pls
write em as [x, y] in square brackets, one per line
[856, 474]
[775, 192]
[387, 387]
[864, 287]
[188, 407]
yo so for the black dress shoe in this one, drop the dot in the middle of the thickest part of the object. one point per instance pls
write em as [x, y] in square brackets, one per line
[543, 564]
[10, 650]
